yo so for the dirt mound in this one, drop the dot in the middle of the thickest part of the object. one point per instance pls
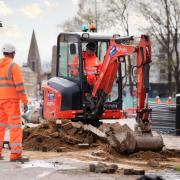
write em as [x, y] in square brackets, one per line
[50, 137]
[148, 155]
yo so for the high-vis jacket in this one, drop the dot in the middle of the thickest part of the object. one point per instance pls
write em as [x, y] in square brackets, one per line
[11, 81]
[91, 66]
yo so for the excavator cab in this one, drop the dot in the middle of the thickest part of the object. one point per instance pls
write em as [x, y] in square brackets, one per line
[71, 82]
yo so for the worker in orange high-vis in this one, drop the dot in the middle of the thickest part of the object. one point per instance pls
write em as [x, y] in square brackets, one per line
[158, 100]
[11, 92]
[169, 101]
[91, 63]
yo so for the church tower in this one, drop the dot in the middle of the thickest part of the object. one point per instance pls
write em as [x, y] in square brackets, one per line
[34, 61]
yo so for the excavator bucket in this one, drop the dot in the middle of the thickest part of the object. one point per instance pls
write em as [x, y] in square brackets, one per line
[127, 142]
[124, 140]
[149, 141]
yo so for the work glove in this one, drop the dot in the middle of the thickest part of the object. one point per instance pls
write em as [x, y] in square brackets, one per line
[25, 108]
[91, 78]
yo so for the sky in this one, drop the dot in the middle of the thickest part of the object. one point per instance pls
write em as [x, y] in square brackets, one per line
[20, 17]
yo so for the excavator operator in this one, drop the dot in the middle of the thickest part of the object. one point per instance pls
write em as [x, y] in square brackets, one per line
[91, 64]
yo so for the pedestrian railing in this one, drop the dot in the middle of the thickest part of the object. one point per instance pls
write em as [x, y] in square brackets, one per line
[163, 117]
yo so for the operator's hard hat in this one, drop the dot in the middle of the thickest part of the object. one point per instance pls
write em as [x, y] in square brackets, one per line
[91, 46]
[8, 48]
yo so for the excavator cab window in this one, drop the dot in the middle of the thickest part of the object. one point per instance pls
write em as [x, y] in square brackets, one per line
[68, 57]
[102, 49]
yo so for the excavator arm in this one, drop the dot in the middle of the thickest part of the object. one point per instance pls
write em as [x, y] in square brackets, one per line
[113, 58]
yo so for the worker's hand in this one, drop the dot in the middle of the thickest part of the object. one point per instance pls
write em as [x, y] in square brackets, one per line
[25, 108]
[91, 78]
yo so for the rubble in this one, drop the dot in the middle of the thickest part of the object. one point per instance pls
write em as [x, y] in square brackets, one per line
[148, 177]
[69, 135]
[134, 172]
[84, 146]
[103, 168]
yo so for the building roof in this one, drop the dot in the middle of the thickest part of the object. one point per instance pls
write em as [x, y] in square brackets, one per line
[34, 61]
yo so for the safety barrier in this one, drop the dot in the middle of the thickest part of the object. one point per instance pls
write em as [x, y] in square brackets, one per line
[163, 117]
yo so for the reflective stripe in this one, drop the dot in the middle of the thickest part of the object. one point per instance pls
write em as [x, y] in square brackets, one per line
[1, 144]
[10, 70]
[5, 78]
[16, 151]
[3, 125]
[5, 85]
[91, 68]
[19, 84]
[15, 117]
[15, 144]
[9, 77]
[86, 73]
[21, 91]
[14, 126]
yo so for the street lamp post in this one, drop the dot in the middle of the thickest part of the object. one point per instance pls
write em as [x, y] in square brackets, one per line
[96, 21]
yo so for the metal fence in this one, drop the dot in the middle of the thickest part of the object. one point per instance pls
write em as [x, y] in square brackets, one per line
[163, 117]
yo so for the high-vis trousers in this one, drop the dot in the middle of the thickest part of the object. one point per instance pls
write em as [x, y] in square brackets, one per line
[10, 117]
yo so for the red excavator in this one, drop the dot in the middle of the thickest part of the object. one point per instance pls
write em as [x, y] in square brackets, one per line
[71, 97]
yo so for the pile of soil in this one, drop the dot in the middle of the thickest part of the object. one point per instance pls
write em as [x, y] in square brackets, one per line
[50, 137]
[147, 155]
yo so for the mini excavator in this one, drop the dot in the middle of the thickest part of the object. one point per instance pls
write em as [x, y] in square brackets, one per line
[71, 97]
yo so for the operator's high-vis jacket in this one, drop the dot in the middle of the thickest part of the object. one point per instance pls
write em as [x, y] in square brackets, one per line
[11, 92]
[91, 66]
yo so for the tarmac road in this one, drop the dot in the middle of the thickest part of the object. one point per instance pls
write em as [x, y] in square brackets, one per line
[61, 168]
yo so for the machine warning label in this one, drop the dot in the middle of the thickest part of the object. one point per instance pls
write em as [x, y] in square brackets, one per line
[112, 51]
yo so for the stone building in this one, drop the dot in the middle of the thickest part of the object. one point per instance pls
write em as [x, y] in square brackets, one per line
[30, 82]
[54, 61]
[32, 70]
[34, 61]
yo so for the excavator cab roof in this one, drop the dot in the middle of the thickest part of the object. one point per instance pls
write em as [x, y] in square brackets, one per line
[90, 36]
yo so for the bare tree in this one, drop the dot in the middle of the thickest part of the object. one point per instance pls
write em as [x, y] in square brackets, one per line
[175, 24]
[88, 12]
[118, 17]
[163, 17]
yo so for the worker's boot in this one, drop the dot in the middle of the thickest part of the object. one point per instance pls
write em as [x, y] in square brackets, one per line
[21, 159]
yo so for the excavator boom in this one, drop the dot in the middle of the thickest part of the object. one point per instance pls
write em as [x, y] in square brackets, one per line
[114, 56]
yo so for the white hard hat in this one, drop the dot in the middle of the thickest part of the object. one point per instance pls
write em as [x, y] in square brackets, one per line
[8, 48]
